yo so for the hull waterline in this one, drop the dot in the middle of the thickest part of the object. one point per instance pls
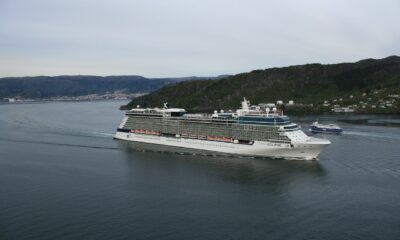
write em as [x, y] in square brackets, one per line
[301, 150]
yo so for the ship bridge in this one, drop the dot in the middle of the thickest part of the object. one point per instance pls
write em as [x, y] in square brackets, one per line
[264, 120]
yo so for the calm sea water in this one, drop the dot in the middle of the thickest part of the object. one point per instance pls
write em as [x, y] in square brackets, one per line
[62, 176]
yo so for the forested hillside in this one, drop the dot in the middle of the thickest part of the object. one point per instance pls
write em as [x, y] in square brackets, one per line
[309, 83]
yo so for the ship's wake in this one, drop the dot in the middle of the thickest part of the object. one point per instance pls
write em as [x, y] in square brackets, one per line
[380, 135]
[59, 144]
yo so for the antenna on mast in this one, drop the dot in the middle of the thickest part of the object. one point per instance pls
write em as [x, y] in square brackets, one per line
[166, 105]
[245, 104]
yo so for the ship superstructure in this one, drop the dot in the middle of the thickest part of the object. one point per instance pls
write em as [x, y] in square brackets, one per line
[247, 131]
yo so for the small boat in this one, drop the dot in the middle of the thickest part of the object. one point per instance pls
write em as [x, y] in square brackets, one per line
[325, 128]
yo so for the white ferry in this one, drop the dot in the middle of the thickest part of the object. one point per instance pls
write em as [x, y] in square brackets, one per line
[249, 131]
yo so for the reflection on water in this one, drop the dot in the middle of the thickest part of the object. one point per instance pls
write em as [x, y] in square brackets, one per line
[234, 169]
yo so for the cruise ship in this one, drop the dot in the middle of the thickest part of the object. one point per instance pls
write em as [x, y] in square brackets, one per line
[249, 131]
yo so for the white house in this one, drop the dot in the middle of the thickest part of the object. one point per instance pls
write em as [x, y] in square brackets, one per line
[11, 100]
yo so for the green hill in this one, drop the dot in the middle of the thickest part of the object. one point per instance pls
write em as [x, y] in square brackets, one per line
[45, 86]
[309, 83]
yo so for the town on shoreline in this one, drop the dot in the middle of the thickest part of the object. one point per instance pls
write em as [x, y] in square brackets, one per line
[375, 102]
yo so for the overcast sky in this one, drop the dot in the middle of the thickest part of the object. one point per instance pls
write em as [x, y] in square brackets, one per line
[171, 38]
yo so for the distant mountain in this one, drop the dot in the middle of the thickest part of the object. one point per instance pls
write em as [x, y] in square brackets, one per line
[309, 83]
[45, 87]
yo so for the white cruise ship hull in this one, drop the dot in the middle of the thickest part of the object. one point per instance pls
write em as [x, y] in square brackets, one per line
[306, 150]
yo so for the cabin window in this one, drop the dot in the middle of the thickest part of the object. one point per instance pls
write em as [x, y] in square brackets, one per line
[177, 114]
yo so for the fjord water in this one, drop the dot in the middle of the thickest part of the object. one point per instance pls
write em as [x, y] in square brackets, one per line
[62, 176]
